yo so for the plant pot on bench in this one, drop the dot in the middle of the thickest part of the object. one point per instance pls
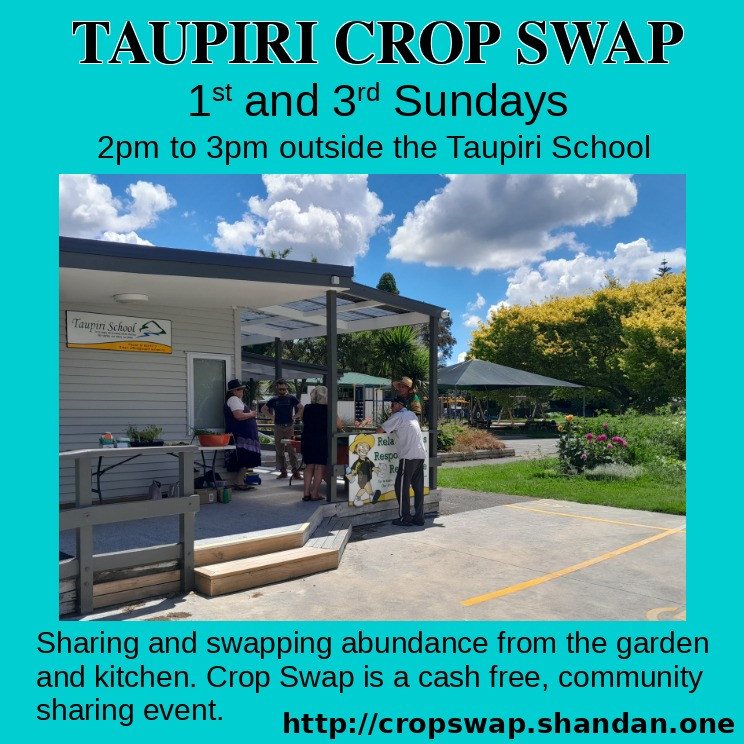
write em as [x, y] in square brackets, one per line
[214, 440]
[145, 437]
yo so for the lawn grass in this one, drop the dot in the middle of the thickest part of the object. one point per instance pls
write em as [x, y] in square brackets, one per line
[652, 491]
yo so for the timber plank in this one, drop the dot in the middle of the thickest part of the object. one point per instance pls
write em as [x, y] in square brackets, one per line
[135, 582]
[142, 592]
[247, 548]
[248, 573]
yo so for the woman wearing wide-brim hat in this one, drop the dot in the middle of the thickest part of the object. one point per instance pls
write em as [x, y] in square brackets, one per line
[405, 387]
[240, 421]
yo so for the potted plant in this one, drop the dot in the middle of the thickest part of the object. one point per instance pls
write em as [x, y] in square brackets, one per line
[210, 438]
[146, 437]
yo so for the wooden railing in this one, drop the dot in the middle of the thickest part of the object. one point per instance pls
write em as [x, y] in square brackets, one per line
[84, 516]
[87, 564]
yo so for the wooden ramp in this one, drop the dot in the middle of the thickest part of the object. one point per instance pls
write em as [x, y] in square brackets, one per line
[258, 561]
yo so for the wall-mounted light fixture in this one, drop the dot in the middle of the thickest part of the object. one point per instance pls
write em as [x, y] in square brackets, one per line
[126, 297]
[335, 280]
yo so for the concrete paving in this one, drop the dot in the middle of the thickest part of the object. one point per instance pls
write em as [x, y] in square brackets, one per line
[484, 557]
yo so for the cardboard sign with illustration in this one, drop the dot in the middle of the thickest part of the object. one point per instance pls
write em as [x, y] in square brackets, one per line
[373, 465]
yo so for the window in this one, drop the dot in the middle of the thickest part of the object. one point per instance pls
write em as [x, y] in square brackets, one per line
[207, 384]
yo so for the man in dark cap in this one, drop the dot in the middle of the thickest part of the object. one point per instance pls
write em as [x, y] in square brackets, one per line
[409, 443]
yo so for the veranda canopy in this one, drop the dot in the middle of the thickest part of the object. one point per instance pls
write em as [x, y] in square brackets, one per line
[476, 374]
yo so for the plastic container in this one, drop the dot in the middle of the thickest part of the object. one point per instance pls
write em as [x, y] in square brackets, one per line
[214, 440]
[106, 440]
[252, 479]
[122, 442]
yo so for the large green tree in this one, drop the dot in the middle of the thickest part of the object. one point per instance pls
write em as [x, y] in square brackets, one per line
[355, 351]
[274, 254]
[387, 283]
[445, 340]
[397, 352]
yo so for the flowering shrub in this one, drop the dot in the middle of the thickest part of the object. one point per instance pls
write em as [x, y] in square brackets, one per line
[655, 437]
[580, 449]
[447, 435]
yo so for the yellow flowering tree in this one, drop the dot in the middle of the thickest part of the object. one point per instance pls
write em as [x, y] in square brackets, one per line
[629, 342]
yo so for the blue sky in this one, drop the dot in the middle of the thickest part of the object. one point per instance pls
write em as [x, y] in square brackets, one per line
[471, 243]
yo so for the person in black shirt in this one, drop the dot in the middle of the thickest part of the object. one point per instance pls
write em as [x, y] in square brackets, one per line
[284, 409]
[315, 442]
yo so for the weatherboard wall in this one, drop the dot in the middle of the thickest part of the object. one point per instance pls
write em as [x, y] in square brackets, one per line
[106, 391]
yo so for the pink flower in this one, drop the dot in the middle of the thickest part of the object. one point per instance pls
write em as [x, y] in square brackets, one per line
[602, 438]
[590, 436]
[583, 455]
[609, 446]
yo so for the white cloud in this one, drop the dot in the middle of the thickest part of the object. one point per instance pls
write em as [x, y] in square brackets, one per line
[130, 237]
[471, 321]
[88, 209]
[331, 217]
[478, 304]
[461, 356]
[503, 221]
[630, 262]
[232, 237]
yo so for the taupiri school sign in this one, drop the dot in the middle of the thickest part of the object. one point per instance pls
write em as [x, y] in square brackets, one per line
[118, 333]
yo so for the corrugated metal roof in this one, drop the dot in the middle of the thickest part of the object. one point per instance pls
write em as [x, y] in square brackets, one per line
[361, 309]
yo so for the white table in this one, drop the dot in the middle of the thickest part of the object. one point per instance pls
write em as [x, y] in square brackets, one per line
[214, 451]
[84, 459]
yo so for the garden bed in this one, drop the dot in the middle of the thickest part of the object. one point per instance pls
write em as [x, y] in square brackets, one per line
[475, 455]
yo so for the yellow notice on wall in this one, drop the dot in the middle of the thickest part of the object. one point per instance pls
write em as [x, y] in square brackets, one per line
[118, 333]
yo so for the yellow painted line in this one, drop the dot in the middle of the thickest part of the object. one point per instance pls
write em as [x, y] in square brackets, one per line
[592, 519]
[656, 613]
[565, 571]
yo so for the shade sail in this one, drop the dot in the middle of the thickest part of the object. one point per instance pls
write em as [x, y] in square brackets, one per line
[476, 374]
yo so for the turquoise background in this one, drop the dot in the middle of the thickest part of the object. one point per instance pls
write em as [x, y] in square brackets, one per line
[56, 110]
